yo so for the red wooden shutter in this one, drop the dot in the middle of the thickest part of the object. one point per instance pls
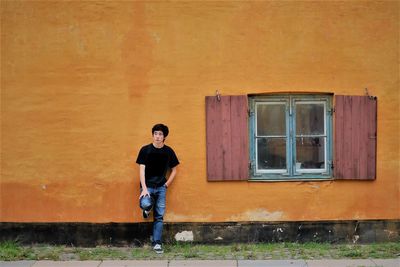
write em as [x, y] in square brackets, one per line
[355, 137]
[227, 138]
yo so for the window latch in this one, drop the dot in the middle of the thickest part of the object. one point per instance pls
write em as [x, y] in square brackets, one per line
[332, 166]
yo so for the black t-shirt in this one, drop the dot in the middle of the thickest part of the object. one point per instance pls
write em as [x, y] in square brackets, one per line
[157, 162]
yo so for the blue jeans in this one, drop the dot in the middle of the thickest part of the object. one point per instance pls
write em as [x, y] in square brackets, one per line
[156, 201]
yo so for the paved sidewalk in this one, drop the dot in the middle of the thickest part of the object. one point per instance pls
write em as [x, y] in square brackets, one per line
[208, 263]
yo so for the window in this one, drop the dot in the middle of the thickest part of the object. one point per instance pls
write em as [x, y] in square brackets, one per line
[290, 137]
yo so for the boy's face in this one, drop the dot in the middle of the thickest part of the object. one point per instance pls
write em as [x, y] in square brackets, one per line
[158, 137]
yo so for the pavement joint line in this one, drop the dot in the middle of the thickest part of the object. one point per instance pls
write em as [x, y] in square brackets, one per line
[373, 262]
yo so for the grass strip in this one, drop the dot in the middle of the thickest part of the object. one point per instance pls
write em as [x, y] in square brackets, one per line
[12, 251]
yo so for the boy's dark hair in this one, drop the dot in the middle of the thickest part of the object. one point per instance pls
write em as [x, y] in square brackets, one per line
[160, 127]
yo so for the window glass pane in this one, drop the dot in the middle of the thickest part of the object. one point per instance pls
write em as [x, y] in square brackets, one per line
[271, 153]
[271, 119]
[309, 119]
[310, 153]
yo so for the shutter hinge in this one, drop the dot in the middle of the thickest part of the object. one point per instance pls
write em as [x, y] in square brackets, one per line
[250, 165]
[249, 112]
[332, 166]
[331, 111]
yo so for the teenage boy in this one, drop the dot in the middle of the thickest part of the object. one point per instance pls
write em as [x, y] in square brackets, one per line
[155, 160]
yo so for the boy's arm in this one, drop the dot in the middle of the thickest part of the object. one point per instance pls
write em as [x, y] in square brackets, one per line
[144, 192]
[171, 177]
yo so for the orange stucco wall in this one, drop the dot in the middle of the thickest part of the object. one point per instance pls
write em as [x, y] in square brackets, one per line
[82, 83]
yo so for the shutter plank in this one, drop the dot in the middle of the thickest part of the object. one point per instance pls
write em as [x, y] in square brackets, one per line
[214, 137]
[355, 151]
[348, 129]
[239, 138]
[227, 138]
[363, 142]
[372, 139]
[339, 138]
[355, 136]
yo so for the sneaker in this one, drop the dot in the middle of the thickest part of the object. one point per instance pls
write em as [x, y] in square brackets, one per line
[158, 249]
[146, 214]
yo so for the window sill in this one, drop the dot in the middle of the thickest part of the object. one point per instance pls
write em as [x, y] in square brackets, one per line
[291, 179]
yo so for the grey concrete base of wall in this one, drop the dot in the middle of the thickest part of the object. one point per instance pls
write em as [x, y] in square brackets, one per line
[119, 234]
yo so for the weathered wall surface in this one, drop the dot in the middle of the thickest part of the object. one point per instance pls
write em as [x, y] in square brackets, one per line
[82, 83]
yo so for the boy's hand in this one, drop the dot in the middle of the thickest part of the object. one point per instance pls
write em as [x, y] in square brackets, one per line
[144, 193]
